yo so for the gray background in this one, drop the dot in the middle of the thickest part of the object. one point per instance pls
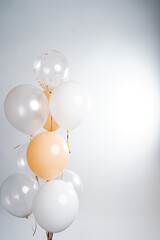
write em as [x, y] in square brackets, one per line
[113, 49]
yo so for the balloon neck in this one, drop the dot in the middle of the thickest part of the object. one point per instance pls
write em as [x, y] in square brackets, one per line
[49, 235]
[31, 137]
[62, 176]
[37, 180]
[49, 89]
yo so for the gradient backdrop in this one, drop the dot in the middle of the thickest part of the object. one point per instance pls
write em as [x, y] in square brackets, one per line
[113, 48]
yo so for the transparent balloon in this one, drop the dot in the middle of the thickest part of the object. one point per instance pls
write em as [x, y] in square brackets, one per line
[26, 108]
[55, 206]
[17, 194]
[22, 159]
[73, 180]
[50, 69]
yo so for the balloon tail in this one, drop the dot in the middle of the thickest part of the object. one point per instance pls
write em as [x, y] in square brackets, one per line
[49, 235]
[49, 89]
[31, 136]
[37, 180]
[68, 141]
[62, 176]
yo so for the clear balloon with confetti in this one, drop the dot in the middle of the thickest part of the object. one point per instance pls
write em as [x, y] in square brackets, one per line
[50, 69]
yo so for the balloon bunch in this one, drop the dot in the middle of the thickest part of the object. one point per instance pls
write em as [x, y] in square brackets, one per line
[64, 104]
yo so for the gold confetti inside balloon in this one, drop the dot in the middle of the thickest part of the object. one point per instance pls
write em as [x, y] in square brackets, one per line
[50, 69]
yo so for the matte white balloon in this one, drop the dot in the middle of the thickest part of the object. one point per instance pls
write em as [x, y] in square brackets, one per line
[17, 194]
[73, 179]
[55, 206]
[69, 104]
[26, 108]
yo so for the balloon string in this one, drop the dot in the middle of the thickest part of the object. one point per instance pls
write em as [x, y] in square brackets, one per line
[62, 176]
[35, 226]
[16, 147]
[31, 136]
[51, 123]
[47, 233]
[68, 149]
[68, 141]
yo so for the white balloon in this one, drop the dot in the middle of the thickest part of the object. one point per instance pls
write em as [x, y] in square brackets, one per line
[17, 194]
[69, 104]
[73, 179]
[55, 206]
[26, 108]
[22, 159]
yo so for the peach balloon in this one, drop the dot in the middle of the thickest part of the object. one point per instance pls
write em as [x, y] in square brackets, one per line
[50, 124]
[47, 155]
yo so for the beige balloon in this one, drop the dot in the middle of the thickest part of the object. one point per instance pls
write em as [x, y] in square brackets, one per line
[47, 155]
[50, 124]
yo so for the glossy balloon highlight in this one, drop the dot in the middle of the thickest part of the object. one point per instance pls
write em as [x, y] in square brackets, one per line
[55, 206]
[47, 155]
[69, 104]
[22, 163]
[26, 108]
[17, 194]
[73, 180]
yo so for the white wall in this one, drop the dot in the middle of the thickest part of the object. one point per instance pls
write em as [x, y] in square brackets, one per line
[113, 48]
